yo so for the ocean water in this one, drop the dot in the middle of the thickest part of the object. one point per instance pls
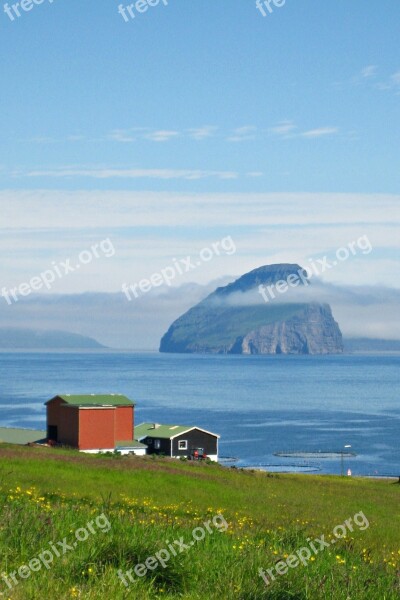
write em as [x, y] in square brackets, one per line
[259, 405]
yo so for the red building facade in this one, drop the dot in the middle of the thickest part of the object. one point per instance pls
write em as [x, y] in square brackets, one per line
[92, 422]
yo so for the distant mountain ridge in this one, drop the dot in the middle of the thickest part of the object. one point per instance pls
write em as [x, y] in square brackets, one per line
[29, 339]
[221, 325]
[371, 345]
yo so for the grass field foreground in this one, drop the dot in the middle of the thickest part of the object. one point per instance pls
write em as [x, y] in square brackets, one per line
[139, 507]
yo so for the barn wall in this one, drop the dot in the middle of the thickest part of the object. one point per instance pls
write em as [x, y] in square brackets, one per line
[124, 423]
[96, 428]
[68, 426]
[65, 419]
[53, 412]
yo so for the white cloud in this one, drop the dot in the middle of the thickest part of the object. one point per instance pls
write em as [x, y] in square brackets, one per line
[121, 135]
[369, 71]
[361, 311]
[284, 128]
[141, 133]
[287, 129]
[150, 229]
[162, 135]
[243, 134]
[75, 138]
[396, 78]
[110, 173]
[321, 132]
[201, 133]
[368, 76]
[107, 208]
[391, 84]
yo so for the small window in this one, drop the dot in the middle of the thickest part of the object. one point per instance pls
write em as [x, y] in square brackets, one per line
[182, 444]
[157, 444]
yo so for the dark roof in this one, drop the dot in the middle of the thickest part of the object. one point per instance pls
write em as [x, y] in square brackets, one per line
[167, 432]
[94, 400]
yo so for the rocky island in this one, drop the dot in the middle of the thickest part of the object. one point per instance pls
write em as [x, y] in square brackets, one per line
[235, 319]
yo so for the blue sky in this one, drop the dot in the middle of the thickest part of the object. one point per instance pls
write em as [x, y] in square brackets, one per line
[194, 121]
[306, 99]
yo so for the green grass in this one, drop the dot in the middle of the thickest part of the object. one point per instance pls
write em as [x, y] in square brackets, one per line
[46, 495]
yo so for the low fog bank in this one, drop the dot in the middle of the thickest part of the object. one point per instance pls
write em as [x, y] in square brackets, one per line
[113, 320]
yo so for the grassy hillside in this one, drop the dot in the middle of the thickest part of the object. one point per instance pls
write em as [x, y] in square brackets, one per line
[130, 509]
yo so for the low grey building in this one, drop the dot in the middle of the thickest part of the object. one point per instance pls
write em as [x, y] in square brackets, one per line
[176, 441]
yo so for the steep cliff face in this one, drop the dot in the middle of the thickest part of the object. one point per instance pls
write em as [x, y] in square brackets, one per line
[312, 331]
[236, 320]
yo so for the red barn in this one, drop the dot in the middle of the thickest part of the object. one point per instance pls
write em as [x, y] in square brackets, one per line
[93, 423]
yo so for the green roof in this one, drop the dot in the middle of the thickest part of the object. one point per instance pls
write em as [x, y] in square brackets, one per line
[11, 435]
[95, 400]
[164, 431]
[161, 431]
[130, 444]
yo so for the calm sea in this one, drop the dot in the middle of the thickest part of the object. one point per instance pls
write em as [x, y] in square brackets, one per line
[259, 405]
